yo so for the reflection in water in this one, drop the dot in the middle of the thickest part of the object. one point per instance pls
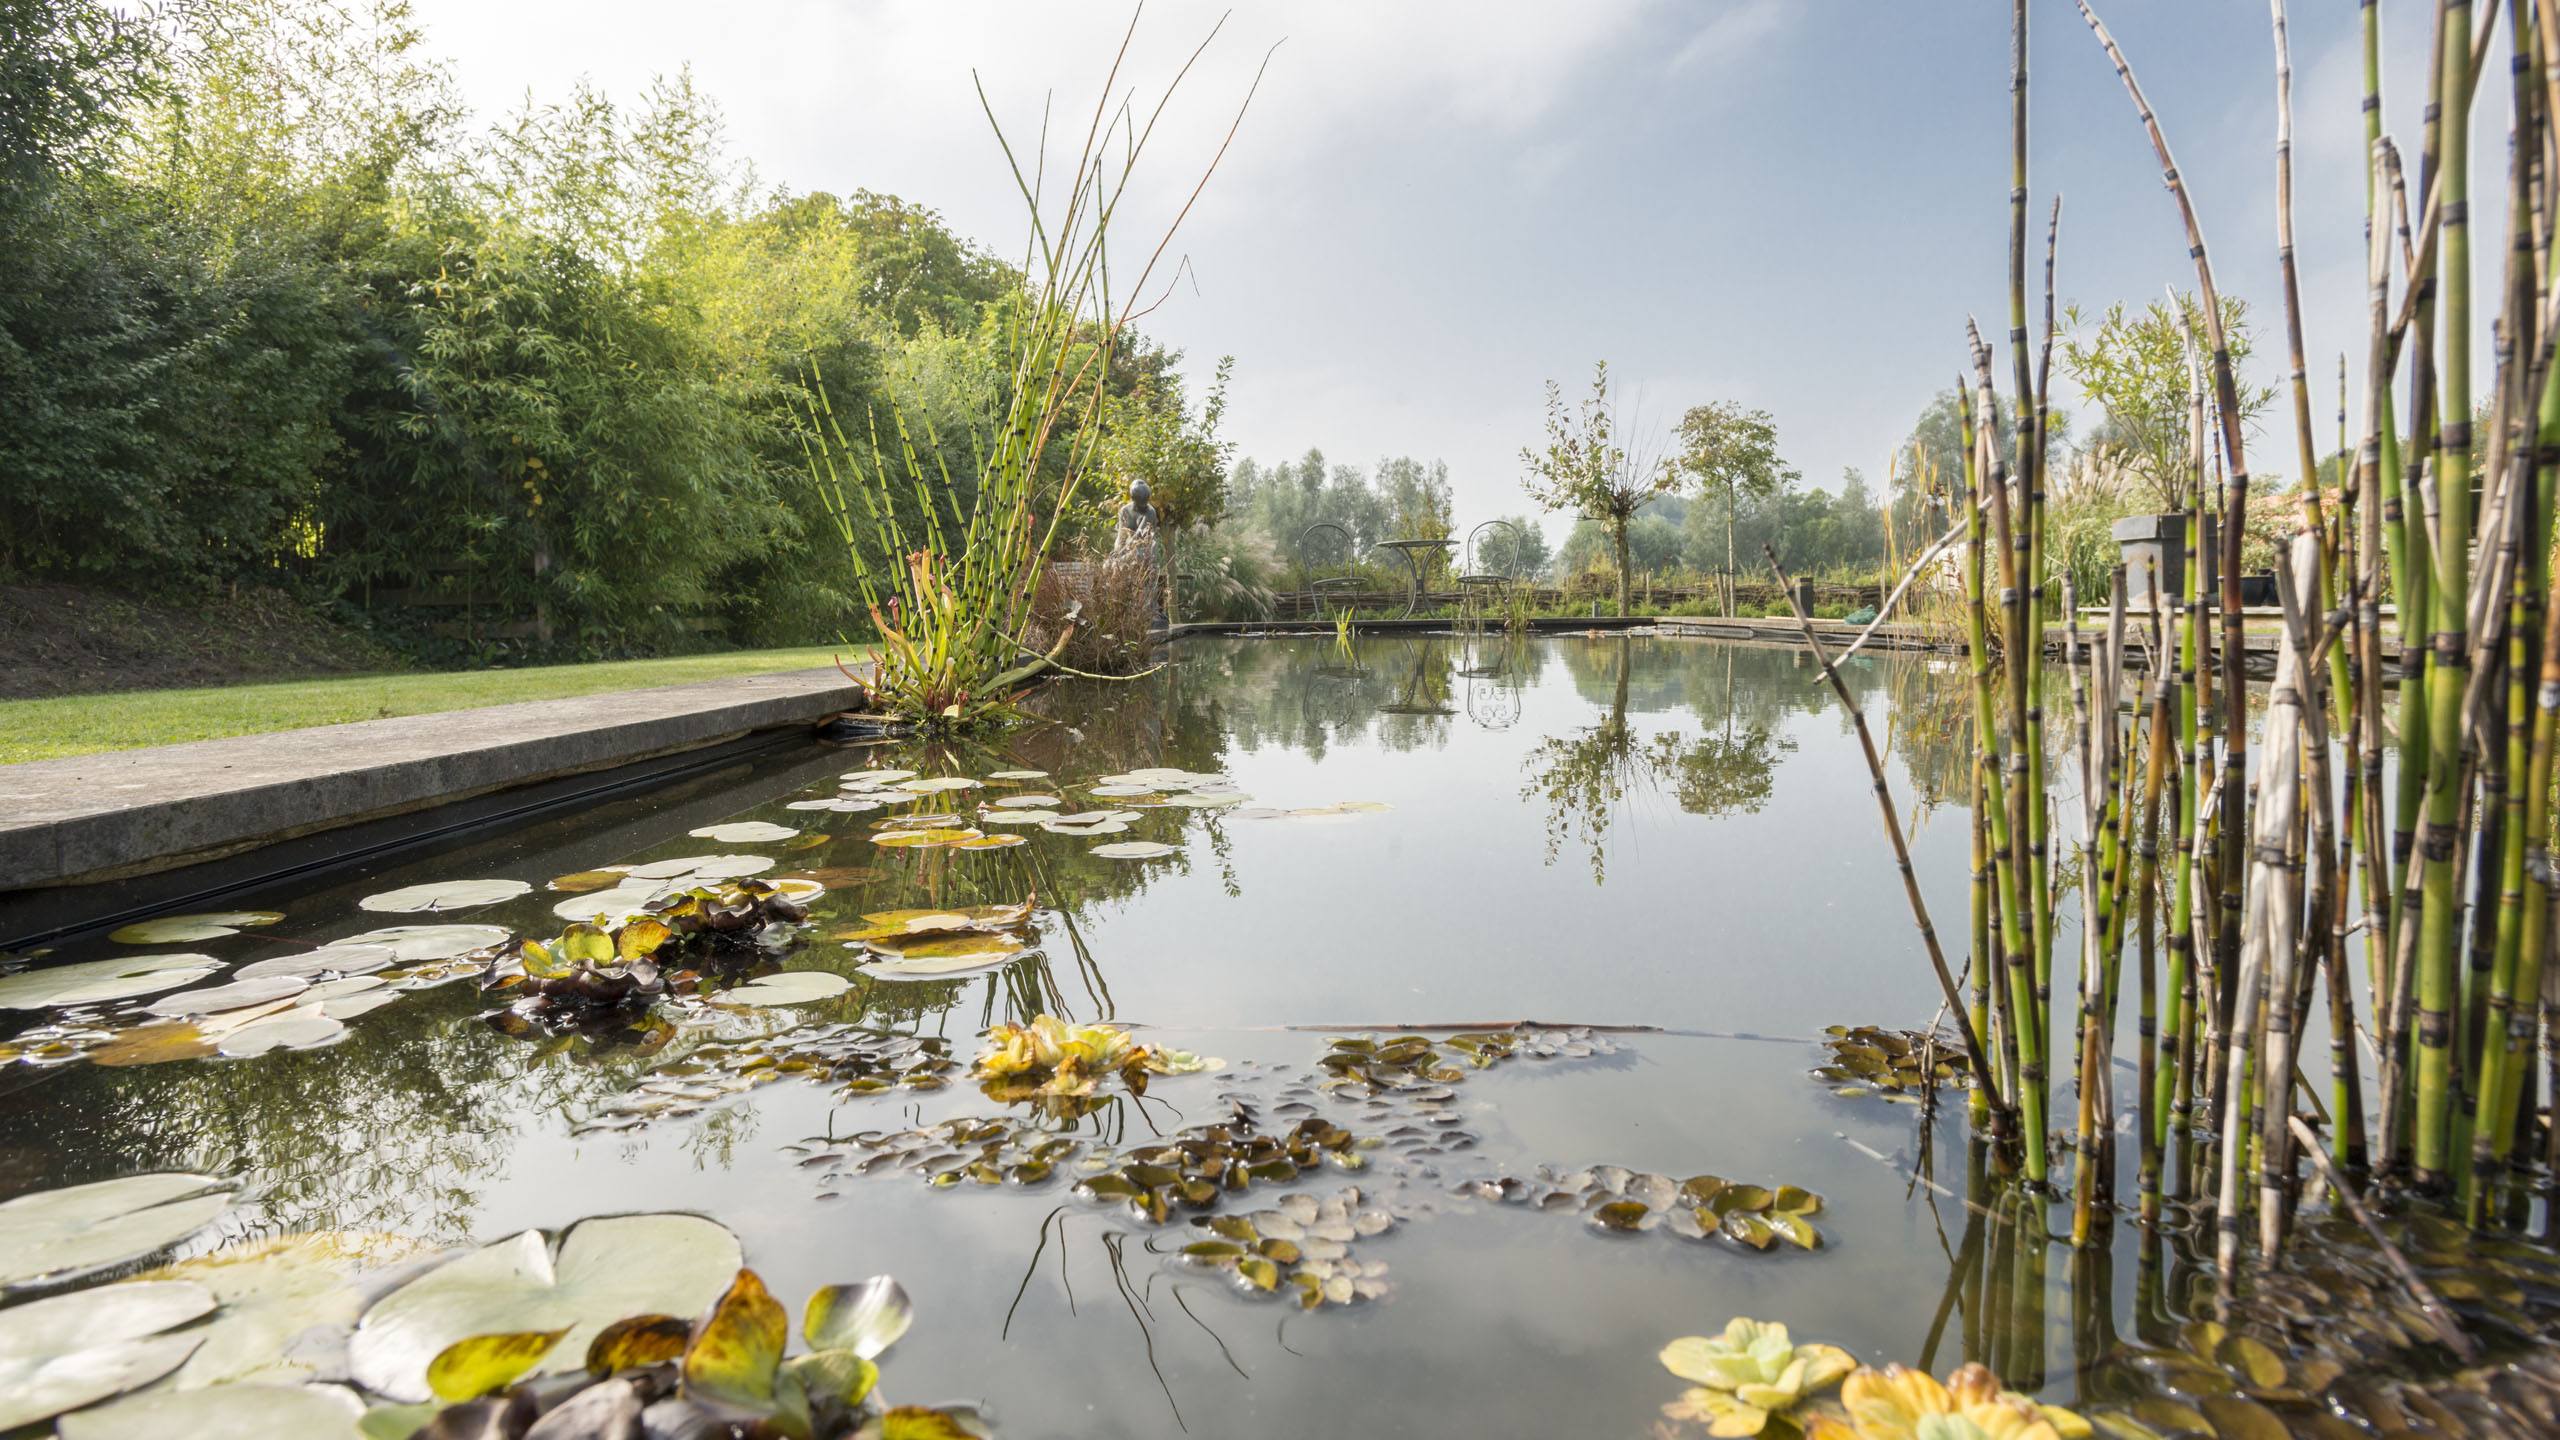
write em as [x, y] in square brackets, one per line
[1586, 775]
[1708, 784]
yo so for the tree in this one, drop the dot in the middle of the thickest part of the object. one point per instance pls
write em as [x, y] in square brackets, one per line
[1733, 455]
[1519, 553]
[2133, 367]
[1585, 469]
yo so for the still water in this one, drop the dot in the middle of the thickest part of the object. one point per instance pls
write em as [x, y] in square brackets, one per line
[1671, 841]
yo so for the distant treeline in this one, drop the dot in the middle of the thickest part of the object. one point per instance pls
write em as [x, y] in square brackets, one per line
[273, 312]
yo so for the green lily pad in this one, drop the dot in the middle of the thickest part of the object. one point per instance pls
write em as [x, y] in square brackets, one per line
[1134, 850]
[95, 982]
[703, 869]
[180, 929]
[744, 832]
[90, 1345]
[55, 1234]
[791, 987]
[224, 1412]
[604, 1269]
[237, 995]
[444, 895]
[274, 1292]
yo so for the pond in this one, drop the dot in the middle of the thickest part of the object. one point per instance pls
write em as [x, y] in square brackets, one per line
[1657, 857]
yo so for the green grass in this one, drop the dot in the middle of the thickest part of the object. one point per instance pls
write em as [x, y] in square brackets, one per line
[88, 724]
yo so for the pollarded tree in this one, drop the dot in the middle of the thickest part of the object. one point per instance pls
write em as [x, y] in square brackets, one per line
[1585, 469]
[1733, 455]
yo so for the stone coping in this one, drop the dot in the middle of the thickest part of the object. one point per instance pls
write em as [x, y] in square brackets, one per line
[103, 817]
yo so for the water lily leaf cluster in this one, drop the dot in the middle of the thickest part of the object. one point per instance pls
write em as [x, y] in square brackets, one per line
[1300, 1247]
[593, 900]
[1894, 1064]
[1207, 1165]
[1617, 1200]
[1051, 1056]
[299, 1000]
[1367, 1064]
[866, 1062]
[591, 974]
[985, 1150]
[937, 944]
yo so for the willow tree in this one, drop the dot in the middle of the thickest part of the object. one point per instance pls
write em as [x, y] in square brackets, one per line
[1586, 469]
[1733, 455]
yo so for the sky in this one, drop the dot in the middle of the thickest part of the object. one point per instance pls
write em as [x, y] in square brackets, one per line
[1432, 209]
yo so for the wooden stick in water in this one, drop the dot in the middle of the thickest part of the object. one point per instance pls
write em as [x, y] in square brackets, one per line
[1893, 830]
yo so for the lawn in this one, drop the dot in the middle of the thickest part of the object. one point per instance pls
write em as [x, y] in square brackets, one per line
[87, 724]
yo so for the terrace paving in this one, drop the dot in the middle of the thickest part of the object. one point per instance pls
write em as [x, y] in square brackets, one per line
[103, 817]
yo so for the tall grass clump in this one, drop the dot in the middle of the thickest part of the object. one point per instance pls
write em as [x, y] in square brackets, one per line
[948, 566]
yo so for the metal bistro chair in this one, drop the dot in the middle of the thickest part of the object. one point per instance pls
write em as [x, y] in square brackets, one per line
[1334, 590]
[1471, 569]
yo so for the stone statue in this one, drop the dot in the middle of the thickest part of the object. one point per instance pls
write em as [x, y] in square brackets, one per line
[1137, 523]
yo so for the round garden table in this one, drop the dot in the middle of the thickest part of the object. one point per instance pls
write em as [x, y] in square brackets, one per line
[1413, 551]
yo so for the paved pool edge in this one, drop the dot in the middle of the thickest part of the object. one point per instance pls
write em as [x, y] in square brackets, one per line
[91, 818]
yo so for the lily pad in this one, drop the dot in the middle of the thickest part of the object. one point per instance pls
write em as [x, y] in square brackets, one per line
[306, 1027]
[443, 895]
[56, 1234]
[1061, 826]
[791, 987]
[878, 777]
[341, 958]
[95, 982]
[604, 1270]
[1018, 817]
[1134, 850]
[989, 842]
[922, 839]
[1018, 775]
[90, 1345]
[223, 1412]
[703, 868]
[744, 832]
[214, 999]
[273, 1293]
[179, 929]
[938, 784]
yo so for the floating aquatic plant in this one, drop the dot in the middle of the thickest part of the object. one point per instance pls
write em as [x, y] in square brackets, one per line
[1300, 1247]
[593, 975]
[1897, 1064]
[1370, 1065]
[1899, 1404]
[1206, 1164]
[1749, 1376]
[1050, 1056]
[1622, 1201]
